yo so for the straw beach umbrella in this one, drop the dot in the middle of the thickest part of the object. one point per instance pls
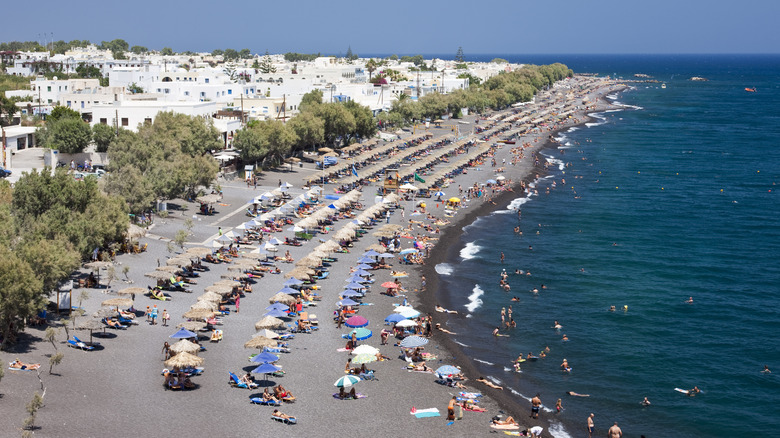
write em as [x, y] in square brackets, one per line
[199, 251]
[269, 322]
[117, 302]
[91, 325]
[185, 346]
[268, 334]
[131, 291]
[259, 342]
[210, 296]
[192, 326]
[134, 231]
[183, 360]
[282, 298]
[198, 314]
[207, 305]
[221, 289]
[158, 275]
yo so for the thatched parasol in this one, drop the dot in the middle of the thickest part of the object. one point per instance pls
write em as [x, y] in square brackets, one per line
[207, 305]
[185, 346]
[117, 302]
[97, 265]
[260, 342]
[269, 322]
[91, 325]
[377, 247]
[183, 360]
[158, 275]
[221, 289]
[268, 334]
[210, 296]
[131, 291]
[169, 269]
[192, 325]
[180, 261]
[235, 275]
[105, 312]
[199, 251]
[282, 298]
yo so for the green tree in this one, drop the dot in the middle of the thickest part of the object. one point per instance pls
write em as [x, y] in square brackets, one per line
[20, 295]
[365, 125]
[459, 56]
[268, 141]
[267, 65]
[167, 51]
[7, 110]
[55, 359]
[244, 54]
[349, 54]
[69, 135]
[309, 129]
[310, 100]
[103, 135]
[88, 71]
[139, 49]
[135, 88]
[230, 55]
[338, 121]
[499, 61]
[62, 112]
[117, 45]
[371, 66]
[217, 52]
[473, 80]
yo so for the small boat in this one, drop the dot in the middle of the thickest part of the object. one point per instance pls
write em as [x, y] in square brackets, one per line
[751, 90]
[663, 85]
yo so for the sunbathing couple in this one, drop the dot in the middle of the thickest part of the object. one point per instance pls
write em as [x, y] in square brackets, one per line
[344, 395]
[420, 367]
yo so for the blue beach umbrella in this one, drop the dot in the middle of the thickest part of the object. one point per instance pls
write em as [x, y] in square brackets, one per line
[292, 281]
[395, 317]
[386, 255]
[362, 272]
[277, 314]
[413, 341]
[347, 302]
[277, 306]
[332, 207]
[439, 194]
[289, 291]
[357, 279]
[356, 286]
[364, 266]
[446, 370]
[184, 334]
[408, 251]
[366, 260]
[360, 334]
[349, 293]
[332, 197]
[265, 357]
[266, 368]
[491, 181]
[370, 253]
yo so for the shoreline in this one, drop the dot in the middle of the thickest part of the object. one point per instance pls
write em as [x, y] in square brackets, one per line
[447, 251]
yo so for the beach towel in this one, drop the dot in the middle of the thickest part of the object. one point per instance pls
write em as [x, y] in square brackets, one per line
[424, 413]
[471, 395]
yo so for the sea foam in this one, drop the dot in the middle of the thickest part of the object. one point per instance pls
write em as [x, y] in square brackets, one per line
[474, 301]
[558, 431]
[484, 361]
[444, 269]
[470, 251]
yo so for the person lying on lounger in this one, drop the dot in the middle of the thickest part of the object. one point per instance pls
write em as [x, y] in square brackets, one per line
[421, 367]
[268, 397]
[281, 416]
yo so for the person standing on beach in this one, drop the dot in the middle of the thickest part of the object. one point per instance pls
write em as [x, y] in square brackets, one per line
[591, 426]
[536, 403]
[451, 408]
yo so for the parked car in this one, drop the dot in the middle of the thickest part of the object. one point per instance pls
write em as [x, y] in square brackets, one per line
[4, 172]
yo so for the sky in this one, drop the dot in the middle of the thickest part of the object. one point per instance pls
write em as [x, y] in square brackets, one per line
[407, 27]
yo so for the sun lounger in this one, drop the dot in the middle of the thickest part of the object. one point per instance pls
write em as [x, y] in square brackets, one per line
[276, 350]
[237, 383]
[291, 420]
[116, 325]
[80, 345]
[260, 401]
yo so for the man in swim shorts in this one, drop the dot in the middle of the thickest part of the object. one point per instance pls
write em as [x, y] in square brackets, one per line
[591, 426]
[536, 403]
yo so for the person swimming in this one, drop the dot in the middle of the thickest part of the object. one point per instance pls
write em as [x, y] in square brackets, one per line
[766, 369]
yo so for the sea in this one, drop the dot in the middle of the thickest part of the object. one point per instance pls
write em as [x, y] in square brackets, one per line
[673, 196]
